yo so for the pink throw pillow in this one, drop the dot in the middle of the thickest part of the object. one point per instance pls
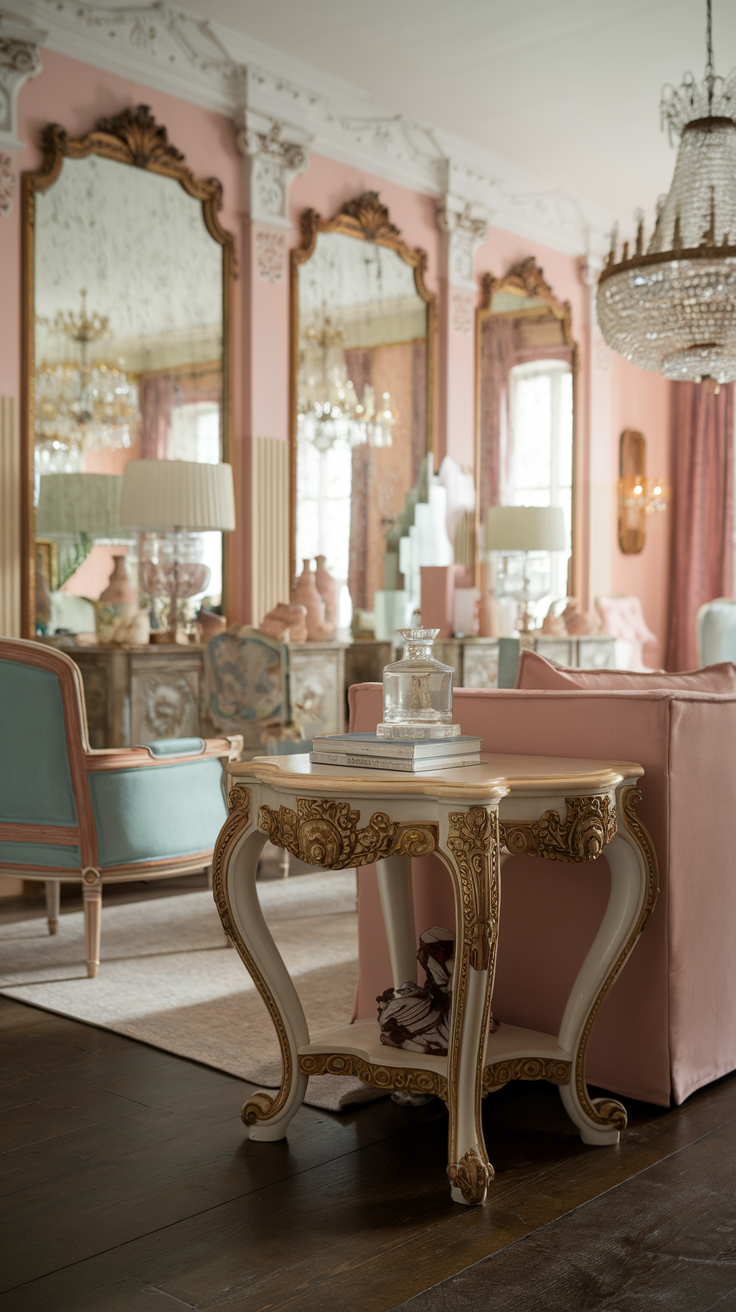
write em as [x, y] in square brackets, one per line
[536, 672]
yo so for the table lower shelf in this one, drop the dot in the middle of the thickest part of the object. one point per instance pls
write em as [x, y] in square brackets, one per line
[512, 1053]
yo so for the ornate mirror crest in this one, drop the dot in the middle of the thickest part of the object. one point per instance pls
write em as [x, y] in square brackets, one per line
[365, 219]
[133, 138]
[544, 323]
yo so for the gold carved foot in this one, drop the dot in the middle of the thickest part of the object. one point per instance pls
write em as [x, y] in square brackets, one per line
[471, 1176]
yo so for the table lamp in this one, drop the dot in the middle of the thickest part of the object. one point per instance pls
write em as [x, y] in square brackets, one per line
[175, 497]
[525, 529]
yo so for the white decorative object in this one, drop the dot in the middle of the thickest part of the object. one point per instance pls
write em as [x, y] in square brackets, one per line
[7, 183]
[462, 313]
[426, 542]
[270, 253]
[277, 153]
[19, 60]
[390, 613]
[465, 226]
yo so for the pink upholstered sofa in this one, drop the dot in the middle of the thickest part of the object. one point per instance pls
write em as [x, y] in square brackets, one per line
[669, 1024]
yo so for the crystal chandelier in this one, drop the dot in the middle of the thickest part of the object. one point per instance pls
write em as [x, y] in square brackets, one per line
[672, 308]
[328, 410]
[81, 406]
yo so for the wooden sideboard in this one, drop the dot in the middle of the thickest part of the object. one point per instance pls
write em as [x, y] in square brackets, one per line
[475, 660]
[137, 694]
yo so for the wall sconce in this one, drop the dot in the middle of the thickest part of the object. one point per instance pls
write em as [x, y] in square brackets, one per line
[638, 496]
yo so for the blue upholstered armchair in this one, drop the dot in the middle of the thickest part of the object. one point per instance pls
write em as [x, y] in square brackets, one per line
[93, 817]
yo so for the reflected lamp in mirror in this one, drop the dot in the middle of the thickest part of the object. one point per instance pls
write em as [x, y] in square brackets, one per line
[638, 496]
[524, 536]
[175, 500]
[73, 510]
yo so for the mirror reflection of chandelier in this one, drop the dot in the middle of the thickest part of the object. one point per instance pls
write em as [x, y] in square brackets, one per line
[81, 406]
[328, 410]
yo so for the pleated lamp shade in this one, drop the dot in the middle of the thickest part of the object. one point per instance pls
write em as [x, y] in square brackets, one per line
[526, 528]
[162, 495]
[71, 504]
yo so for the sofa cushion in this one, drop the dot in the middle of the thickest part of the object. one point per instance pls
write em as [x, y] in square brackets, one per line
[536, 672]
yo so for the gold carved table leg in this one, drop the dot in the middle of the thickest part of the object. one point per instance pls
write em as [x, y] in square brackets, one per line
[634, 888]
[234, 867]
[469, 848]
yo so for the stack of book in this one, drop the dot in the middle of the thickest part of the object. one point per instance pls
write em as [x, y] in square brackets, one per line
[366, 751]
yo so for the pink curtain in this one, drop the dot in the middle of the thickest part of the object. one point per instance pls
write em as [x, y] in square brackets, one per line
[702, 513]
[498, 357]
[155, 397]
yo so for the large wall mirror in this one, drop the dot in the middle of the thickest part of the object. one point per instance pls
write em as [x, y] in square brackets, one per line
[363, 329]
[127, 276]
[526, 362]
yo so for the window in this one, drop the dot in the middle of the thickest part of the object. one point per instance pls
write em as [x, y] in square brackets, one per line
[536, 459]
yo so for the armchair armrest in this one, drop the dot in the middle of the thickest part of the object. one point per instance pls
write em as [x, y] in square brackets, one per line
[180, 752]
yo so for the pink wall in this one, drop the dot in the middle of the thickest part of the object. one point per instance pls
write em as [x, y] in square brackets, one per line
[643, 401]
[76, 95]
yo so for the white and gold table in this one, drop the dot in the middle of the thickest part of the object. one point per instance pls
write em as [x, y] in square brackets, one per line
[554, 808]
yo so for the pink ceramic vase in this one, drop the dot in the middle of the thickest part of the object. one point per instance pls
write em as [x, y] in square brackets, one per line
[329, 590]
[120, 590]
[305, 594]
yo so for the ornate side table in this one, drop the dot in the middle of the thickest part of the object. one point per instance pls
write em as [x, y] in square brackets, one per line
[557, 809]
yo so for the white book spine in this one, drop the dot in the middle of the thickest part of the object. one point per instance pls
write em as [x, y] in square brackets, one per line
[422, 766]
[395, 750]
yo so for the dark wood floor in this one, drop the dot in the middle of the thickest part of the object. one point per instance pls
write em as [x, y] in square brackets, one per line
[126, 1183]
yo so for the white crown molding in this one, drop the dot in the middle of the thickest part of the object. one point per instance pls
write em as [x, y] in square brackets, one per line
[164, 47]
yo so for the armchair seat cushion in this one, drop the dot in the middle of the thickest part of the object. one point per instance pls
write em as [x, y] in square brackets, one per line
[154, 814]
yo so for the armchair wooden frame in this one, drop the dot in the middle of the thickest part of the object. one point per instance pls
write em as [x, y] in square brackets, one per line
[83, 761]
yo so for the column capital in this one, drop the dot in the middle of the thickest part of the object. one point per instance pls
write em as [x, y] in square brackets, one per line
[275, 153]
[465, 225]
[20, 59]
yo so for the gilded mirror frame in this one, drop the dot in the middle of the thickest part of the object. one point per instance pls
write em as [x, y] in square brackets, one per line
[526, 279]
[367, 219]
[134, 138]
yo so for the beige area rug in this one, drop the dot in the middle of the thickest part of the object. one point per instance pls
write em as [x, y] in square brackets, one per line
[167, 977]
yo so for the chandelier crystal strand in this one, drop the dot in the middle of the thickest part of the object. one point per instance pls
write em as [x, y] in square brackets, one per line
[328, 410]
[82, 406]
[673, 307]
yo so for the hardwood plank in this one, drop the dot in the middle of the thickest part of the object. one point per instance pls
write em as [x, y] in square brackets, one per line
[611, 1253]
[350, 1211]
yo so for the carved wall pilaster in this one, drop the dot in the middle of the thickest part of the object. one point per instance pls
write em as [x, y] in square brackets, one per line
[19, 59]
[275, 153]
[465, 226]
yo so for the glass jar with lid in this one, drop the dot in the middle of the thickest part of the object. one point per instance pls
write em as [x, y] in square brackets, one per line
[417, 692]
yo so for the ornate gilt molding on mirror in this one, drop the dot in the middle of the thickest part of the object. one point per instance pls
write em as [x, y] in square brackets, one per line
[363, 329]
[126, 305]
[523, 340]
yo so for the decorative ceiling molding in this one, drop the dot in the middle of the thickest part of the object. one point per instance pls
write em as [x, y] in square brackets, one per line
[207, 64]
